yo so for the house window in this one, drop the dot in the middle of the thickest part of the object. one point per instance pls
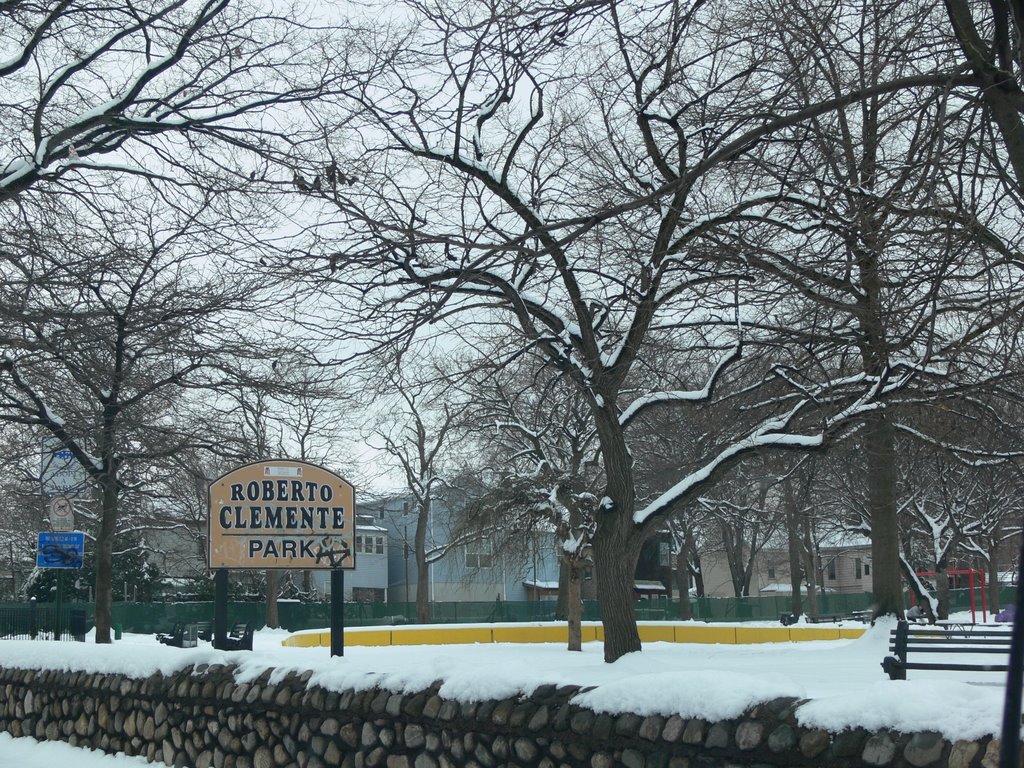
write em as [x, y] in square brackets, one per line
[771, 571]
[858, 567]
[867, 569]
[832, 569]
[369, 545]
[478, 555]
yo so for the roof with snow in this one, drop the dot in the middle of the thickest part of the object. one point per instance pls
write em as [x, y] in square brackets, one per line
[530, 584]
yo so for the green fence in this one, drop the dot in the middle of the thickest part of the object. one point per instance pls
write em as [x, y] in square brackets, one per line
[147, 618]
[40, 621]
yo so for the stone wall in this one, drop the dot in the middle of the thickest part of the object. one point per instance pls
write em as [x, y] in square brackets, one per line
[202, 717]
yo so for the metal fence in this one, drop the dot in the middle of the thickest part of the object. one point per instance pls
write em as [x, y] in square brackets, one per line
[42, 621]
[146, 618]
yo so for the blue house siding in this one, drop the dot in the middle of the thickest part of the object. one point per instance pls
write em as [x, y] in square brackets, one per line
[371, 571]
[452, 578]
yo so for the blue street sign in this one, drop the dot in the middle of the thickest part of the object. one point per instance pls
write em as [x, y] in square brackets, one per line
[60, 550]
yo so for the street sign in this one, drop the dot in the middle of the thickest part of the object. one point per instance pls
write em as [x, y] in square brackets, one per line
[282, 514]
[60, 550]
[62, 514]
[61, 474]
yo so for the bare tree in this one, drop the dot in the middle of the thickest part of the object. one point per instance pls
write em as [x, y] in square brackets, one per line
[575, 178]
[110, 85]
[537, 441]
[416, 435]
[107, 327]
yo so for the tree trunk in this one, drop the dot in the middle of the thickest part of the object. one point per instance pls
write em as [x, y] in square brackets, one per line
[879, 445]
[562, 603]
[616, 552]
[683, 577]
[796, 607]
[104, 553]
[272, 619]
[422, 567]
[307, 583]
[942, 590]
[732, 543]
[695, 567]
[574, 600]
[921, 594]
[810, 572]
[992, 577]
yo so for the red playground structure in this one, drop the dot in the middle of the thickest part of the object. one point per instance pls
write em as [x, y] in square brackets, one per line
[970, 573]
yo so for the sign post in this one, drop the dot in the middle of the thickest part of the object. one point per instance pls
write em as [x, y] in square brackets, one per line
[280, 514]
[337, 612]
[220, 607]
[61, 550]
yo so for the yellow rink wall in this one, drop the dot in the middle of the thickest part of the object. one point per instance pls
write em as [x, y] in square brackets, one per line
[559, 633]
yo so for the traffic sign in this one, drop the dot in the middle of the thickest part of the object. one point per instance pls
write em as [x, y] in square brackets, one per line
[62, 514]
[60, 550]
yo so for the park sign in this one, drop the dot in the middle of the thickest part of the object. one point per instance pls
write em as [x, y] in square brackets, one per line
[60, 472]
[281, 514]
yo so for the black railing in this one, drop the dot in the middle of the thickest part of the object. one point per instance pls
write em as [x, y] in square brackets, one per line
[42, 621]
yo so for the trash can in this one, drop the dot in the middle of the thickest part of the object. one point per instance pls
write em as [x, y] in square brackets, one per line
[117, 631]
[76, 625]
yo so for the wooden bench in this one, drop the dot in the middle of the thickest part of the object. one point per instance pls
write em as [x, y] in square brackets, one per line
[788, 619]
[977, 641]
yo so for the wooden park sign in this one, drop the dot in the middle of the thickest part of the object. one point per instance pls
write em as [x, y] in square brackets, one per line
[281, 514]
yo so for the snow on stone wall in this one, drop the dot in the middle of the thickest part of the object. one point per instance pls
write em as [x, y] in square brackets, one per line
[202, 717]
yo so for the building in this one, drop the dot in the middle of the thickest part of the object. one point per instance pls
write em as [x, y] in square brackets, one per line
[463, 569]
[368, 581]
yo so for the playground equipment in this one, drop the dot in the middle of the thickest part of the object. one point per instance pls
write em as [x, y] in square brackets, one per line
[970, 573]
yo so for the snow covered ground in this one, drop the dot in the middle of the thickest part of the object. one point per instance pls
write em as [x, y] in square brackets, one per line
[29, 753]
[842, 679]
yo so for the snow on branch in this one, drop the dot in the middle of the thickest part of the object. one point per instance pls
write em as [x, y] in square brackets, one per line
[676, 396]
[962, 453]
[770, 434]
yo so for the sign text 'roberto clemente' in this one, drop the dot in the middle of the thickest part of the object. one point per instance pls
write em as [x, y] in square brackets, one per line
[281, 514]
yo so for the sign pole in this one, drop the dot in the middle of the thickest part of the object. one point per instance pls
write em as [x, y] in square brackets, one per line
[60, 605]
[337, 612]
[220, 608]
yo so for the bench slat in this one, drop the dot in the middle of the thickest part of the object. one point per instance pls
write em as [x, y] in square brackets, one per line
[961, 649]
[958, 633]
[955, 667]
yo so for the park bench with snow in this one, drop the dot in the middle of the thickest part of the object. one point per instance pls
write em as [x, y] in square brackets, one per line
[968, 649]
